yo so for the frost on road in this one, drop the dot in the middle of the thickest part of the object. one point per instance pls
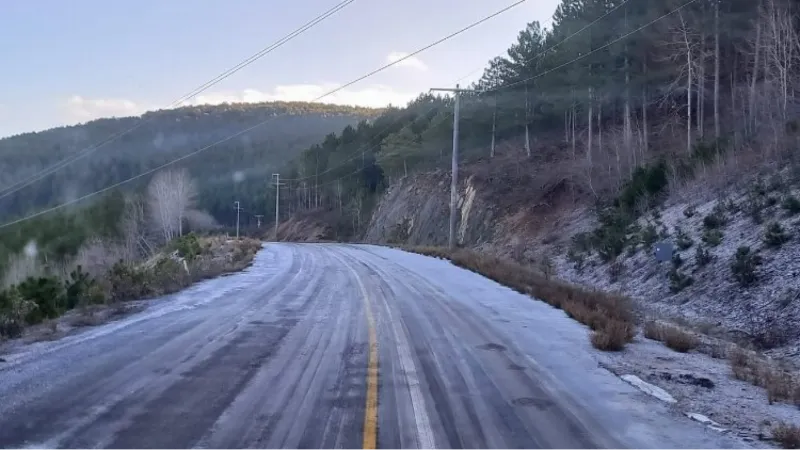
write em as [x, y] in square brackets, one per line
[333, 346]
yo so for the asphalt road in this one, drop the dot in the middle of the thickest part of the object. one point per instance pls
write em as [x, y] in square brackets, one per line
[332, 346]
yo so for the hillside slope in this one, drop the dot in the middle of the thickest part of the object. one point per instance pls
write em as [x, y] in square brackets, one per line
[161, 136]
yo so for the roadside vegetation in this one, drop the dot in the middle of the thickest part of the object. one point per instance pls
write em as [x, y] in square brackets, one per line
[609, 316]
[94, 260]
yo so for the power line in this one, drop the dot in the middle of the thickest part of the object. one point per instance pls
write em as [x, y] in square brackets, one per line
[89, 150]
[609, 44]
[246, 130]
[536, 57]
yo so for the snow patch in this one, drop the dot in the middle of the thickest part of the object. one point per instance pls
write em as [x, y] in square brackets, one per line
[649, 389]
[706, 421]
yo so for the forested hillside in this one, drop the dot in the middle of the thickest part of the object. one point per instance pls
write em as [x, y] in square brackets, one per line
[161, 136]
[611, 85]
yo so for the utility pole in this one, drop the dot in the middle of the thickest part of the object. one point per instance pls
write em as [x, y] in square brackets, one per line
[258, 218]
[276, 180]
[238, 208]
[454, 179]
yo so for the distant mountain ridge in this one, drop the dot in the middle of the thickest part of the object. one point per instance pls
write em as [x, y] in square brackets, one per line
[161, 136]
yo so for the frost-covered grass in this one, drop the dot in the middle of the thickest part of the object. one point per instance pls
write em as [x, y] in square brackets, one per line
[610, 316]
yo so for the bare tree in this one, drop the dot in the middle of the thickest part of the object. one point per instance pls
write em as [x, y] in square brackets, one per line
[136, 241]
[171, 194]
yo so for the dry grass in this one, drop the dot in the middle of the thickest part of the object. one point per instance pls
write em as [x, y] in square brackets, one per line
[782, 385]
[610, 316]
[671, 336]
[787, 435]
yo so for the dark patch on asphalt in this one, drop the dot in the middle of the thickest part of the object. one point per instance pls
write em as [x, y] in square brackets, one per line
[539, 403]
[179, 415]
[492, 346]
[257, 322]
[2, 360]
[513, 366]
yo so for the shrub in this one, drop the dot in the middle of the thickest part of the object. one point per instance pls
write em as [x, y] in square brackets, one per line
[745, 266]
[672, 336]
[682, 239]
[613, 336]
[775, 235]
[702, 256]
[648, 236]
[188, 246]
[787, 435]
[715, 219]
[13, 311]
[129, 282]
[582, 243]
[678, 281]
[689, 212]
[712, 237]
[754, 206]
[48, 295]
[677, 260]
[647, 182]
[577, 258]
[610, 238]
[791, 205]
[80, 289]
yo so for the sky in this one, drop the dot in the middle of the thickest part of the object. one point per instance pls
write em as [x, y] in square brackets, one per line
[70, 62]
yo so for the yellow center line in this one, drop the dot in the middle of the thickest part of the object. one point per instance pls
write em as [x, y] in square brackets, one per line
[371, 407]
[371, 410]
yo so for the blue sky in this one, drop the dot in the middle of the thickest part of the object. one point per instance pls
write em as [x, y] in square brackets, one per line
[66, 62]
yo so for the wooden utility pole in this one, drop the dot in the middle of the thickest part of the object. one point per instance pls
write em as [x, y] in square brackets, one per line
[276, 180]
[454, 178]
[238, 208]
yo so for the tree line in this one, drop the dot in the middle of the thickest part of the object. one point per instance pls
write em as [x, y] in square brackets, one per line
[612, 85]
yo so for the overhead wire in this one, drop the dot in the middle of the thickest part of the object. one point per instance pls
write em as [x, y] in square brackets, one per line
[541, 55]
[8, 190]
[248, 129]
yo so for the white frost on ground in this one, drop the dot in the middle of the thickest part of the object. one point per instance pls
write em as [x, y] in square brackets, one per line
[559, 349]
[649, 389]
[705, 386]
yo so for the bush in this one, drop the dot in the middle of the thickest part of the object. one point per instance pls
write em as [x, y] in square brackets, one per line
[13, 311]
[610, 238]
[188, 246]
[754, 206]
[715, 219]
[648, 236]
[647, 182]
[744, 266]
[129, 282]
[682, 239]
[613, 336]
[689, 212]
[787, 435]
[712, 237]
[577, 258]
[702, 256]
[48, 295]
[678, 281]
[81, 289]
[775, 235]
[671, 336]
[791, 205]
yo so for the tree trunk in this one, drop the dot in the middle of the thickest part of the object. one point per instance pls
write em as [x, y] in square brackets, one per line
[645, 129]
[494, 128]
[527, 129]
[756, 64]
[591, 129]
[716, 75]
[689, 103]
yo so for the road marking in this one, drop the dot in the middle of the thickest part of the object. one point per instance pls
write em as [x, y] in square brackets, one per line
[371, 410]
[371, 407]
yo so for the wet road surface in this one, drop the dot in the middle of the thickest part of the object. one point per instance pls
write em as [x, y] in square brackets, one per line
[333, 346]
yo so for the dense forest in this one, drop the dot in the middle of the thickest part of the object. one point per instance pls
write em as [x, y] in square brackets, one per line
[159, 137]
[611, 85]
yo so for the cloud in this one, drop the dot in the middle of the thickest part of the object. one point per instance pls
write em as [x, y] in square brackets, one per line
[78, 108]
[370, 96]
[412, 62]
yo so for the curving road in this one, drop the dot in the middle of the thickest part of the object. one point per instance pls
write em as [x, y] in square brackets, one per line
[333, 346]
